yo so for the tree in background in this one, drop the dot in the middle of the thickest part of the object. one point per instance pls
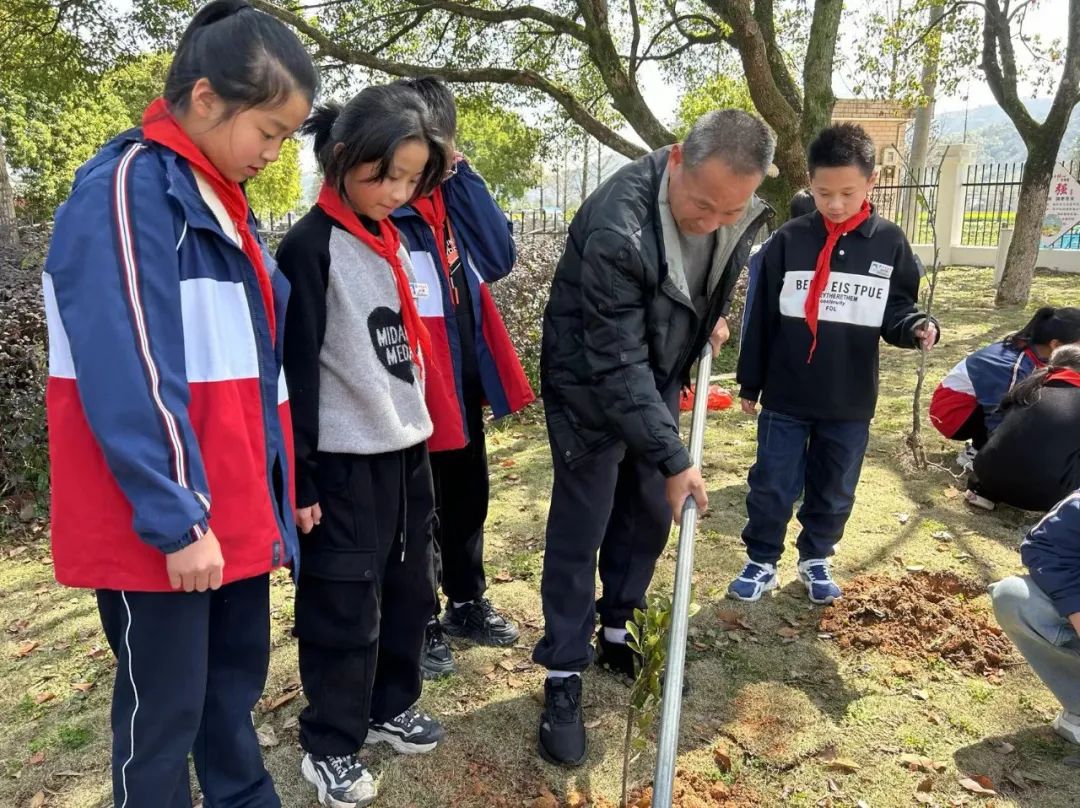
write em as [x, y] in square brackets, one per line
[719, 91]
[1002, 24]
[277, 189]
[499, 145]
[786, 55]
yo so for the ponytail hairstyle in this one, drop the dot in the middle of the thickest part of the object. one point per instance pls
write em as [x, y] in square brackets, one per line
[1048, 324]
[369, 128]
[1028, 391]
[249, 58]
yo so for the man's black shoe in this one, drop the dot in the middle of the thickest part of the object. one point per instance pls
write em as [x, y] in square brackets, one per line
[437, 660]
[616, 657]
[562, 729]
[478, 621]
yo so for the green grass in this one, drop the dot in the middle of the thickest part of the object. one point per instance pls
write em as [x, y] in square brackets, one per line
[782, 709]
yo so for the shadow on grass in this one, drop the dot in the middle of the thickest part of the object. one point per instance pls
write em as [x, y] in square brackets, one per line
[1037, 752]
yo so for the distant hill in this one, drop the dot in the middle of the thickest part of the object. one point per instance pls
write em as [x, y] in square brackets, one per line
[990, 129]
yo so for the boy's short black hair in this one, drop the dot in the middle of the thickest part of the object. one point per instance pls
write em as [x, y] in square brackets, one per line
[843, 144]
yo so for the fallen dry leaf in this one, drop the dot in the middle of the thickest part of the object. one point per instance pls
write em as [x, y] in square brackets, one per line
[266, 735]
[926, 785]
[83, 687]
[1003, 748]
[921, 695]
[978, 785]
[919, 763]
[593, 724]
[38, 800]
[44, 696]
[787, 632]
[25, 648]
[507, 463]
[290, 722]
[723, 758]
[924, 799]
[951, 493]
[283, 699]
[503, 577]
[36, 759]
[844, 765]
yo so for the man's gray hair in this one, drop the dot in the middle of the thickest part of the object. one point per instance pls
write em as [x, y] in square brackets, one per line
[740, 139]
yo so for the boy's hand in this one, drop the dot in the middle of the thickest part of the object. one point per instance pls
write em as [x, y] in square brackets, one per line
[198, 566]
[748, 407]
[682, 485]
[307, 518]
[927, 335]
[1074, 618]
[720, 335]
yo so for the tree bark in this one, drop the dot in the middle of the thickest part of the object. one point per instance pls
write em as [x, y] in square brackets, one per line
[9, 226]
[924, 118]
[1042, 140]
[1015, 286]
[584, 169]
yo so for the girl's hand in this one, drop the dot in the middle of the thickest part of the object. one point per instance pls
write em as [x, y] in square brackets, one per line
[928, 334]
[198, 566]
[748, 407]
[307, 518]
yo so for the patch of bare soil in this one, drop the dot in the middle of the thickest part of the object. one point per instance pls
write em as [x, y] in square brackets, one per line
[925, 615]
[696, 791]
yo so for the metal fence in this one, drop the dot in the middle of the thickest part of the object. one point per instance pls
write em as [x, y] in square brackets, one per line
[991, 193]
[528, 223]
[905, 198]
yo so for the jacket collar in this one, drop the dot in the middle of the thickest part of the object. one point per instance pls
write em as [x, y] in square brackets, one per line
[866, 229]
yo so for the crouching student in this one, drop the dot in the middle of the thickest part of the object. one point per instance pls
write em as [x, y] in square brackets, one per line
[167, 423]
[810, 355]
[965, 405]
[1032, 460]
[460, 241]
[355, 356]
[1040, 611]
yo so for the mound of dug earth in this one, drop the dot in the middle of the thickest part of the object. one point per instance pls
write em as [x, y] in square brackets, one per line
[693, 790]
[926, 615]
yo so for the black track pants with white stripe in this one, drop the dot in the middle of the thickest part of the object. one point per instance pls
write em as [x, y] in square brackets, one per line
[190, 668]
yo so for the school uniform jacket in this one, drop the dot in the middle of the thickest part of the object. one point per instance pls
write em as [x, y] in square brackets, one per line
[487, 253]
[980, 380]
[1032, 459]
[167, 410]
[871, 295]
[1051, 552]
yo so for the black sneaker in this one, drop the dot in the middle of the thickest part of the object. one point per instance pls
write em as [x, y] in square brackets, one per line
[342, 781]
[437, 661]
[562, 729]
[616, 658]
[410, 733]
[478, 621]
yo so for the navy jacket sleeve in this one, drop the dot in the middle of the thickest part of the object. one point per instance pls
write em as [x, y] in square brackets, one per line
[761, 317]
[486, 230]
[1051, 552]
[613, 315]
[114, 274]
[304, 258]
[902, 315]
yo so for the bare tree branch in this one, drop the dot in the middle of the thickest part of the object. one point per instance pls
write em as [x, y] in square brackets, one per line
[557, 23]
[518, 78]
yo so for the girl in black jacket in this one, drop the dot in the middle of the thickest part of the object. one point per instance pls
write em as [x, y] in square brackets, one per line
[1032, 460]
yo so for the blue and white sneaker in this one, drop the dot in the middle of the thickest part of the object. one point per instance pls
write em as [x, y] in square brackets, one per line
[815, 573]
[753, 582]
[410, 733]
[342, 781]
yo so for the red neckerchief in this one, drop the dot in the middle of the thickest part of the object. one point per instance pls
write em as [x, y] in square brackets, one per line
[1038, 360]
[432, 210]
[824, 265]
[161, 127]
[1063, 375]
[385, 245]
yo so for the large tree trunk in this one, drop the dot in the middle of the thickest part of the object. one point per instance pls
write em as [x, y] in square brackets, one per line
[1015, 285]
[924, 118]
[9, 226]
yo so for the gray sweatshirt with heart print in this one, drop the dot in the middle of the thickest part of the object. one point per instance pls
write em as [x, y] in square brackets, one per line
[353, 386]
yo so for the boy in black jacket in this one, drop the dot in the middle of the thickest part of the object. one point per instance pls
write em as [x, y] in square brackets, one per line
[834, 282]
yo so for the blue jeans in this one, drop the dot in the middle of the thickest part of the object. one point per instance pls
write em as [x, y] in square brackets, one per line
[819, 459]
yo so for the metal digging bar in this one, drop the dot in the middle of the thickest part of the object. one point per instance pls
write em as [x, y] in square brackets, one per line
[670, 707]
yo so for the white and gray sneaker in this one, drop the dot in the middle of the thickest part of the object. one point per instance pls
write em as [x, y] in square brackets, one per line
[410, 733]
[1067, 725]
[343, 781]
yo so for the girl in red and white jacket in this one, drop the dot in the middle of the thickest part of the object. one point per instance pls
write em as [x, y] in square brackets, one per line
[168, 420]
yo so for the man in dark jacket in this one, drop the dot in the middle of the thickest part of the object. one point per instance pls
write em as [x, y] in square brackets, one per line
[1040, 611]
[644, 282]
